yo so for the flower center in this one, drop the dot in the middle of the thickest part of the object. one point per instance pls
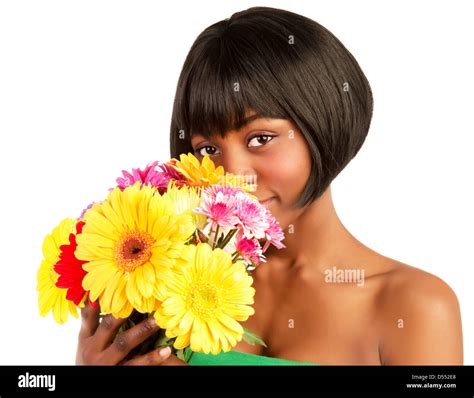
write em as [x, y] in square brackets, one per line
[133, 250]
[203, 300]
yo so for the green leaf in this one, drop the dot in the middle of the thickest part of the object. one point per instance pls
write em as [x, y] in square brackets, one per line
[180, 354]
[163, 340]
[188, 353]
[252, 338]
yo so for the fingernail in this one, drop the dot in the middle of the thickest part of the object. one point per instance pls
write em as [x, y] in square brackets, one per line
[165, 352]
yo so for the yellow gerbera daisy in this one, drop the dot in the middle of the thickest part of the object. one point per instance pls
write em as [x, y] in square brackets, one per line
[207, 173]
[205, 297]
[185, 199]
[131, 241]
[50, 296]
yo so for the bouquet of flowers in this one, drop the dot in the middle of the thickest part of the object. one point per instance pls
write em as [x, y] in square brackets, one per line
[177, 241]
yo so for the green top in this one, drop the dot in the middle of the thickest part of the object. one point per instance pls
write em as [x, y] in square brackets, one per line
[241, 358]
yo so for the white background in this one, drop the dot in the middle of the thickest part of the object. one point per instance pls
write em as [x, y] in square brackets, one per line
[86, 90]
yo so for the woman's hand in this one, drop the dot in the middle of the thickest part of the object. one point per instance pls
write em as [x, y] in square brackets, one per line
[99, 343]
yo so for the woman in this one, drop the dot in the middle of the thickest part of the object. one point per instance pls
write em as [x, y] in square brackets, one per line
[272, 94]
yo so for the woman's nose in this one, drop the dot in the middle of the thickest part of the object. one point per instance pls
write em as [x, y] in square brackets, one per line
[238, 164]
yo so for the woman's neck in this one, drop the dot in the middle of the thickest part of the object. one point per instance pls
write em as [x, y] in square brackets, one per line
[317, 238]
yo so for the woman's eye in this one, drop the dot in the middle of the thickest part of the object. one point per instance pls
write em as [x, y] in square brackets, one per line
[211, 150]
[260, 140]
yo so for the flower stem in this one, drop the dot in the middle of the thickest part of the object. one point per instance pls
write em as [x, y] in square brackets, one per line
[228, 238]
[215, 237]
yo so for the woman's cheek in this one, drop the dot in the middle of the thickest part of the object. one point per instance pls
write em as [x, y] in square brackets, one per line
[291, 173]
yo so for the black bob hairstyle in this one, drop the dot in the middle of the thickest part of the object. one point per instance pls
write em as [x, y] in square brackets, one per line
[287, 66]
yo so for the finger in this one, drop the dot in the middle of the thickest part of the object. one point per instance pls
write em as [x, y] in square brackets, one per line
[108, 328]
[89, 321]
[173, 360]
[128, 340]
[160, 356]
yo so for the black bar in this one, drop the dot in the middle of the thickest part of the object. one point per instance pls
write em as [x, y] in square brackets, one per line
[223, 379]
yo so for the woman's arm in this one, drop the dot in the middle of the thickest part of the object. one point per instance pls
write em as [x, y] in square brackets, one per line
[421, 321]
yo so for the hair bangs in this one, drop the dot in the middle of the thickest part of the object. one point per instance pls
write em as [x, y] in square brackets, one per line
[220, 90]
[214, 103]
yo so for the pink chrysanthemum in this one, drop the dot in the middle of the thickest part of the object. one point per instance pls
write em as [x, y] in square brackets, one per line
[155, 174]
[213, 190]
[252, 217]
[149, 174]
[219, 207]
[273, 233]
[170, 173]
[249, 250]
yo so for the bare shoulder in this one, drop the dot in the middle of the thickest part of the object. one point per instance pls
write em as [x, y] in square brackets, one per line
[420, 321]
[411, 286]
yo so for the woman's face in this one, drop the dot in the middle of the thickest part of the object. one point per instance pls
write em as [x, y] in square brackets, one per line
[272, 151]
